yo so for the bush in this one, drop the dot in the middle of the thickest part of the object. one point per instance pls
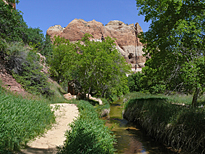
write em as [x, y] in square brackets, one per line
[140, 82]
[25, 67]
[88, 134]
[158, 88]
[47, 49]
[21, 120]
[135, 82]
[174, 125]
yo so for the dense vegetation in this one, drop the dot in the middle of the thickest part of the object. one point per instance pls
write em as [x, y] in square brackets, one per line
[175, 43]
[88, 133]
[175, 125]
[19, 46]
[21, 120]
[95, 67]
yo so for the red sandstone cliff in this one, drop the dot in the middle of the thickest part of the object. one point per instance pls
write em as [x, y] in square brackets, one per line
[126, 36]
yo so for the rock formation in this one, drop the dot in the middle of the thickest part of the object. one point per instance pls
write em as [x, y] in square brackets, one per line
[127, 42]
[8, 82]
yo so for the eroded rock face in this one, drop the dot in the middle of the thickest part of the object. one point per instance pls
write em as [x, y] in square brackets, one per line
[54, 30]
[127, 42]
[9, 82]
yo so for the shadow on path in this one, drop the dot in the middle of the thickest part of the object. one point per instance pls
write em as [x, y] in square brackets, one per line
[30, 150]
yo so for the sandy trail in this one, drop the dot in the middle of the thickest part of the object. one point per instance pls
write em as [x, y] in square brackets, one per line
[65, 114]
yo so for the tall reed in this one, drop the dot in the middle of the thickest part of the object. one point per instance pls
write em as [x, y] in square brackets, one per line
[174, 125]
[88, 133]
[21, 120]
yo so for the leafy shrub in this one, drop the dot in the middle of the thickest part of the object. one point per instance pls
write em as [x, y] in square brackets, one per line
[157, 88]
[47, 49]
[21, 120]
[140, 82]
[172, 124]
[135, 82]
[89, 134]
[24, 64]
[34, 36]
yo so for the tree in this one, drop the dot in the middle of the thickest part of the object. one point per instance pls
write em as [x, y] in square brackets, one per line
[13, 28]
[175, 42]
[135, 82]
[96, 66]
[34, 36]
[12, 25]
[46, 49]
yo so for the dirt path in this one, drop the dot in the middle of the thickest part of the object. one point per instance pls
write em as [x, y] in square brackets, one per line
[46, 144]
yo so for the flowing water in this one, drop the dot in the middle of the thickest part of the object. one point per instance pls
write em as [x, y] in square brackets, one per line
[131, 139]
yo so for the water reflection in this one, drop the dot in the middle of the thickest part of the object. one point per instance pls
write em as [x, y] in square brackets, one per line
[130, 138]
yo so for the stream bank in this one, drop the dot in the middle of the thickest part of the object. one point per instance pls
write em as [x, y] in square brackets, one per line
[176, 126]
[130, 137]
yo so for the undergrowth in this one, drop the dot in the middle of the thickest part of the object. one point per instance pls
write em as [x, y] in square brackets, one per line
[88, 133]
[100, 108]
[21, 120]
[24, 65]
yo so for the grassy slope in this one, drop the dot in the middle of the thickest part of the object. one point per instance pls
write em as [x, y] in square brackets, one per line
[22, 119]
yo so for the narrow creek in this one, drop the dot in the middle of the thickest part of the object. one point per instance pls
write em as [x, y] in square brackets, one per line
[131, 139]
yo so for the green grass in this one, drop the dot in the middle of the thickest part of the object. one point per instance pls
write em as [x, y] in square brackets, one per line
[176, 126]
[58, 93]
[21, 120]
[99, 108]
[175, 99]
[88, 134]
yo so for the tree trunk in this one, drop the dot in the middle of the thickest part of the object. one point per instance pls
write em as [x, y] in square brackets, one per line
[89, 93]
[195, 97]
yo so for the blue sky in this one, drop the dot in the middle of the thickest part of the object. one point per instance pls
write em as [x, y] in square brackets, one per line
[46, 13]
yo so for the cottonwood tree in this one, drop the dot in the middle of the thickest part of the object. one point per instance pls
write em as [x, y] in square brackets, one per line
[96, 66]
[175, 42]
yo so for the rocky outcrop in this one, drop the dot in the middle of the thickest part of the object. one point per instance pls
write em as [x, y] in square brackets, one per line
[69, 96]
[127, 41]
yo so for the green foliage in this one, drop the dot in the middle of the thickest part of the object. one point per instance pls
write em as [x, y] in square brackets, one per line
[175, 42]
[174, 125]
[47, 49]
[13, 28]
[88, 133]
[21, 120]
[140, 82]
[135, 82]
[12, 25]
[58, 92]
[158, 88]
[96, 66]
[117, 90]
[63, 49]
[25, 67]
[34, 36]
[100, 108]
